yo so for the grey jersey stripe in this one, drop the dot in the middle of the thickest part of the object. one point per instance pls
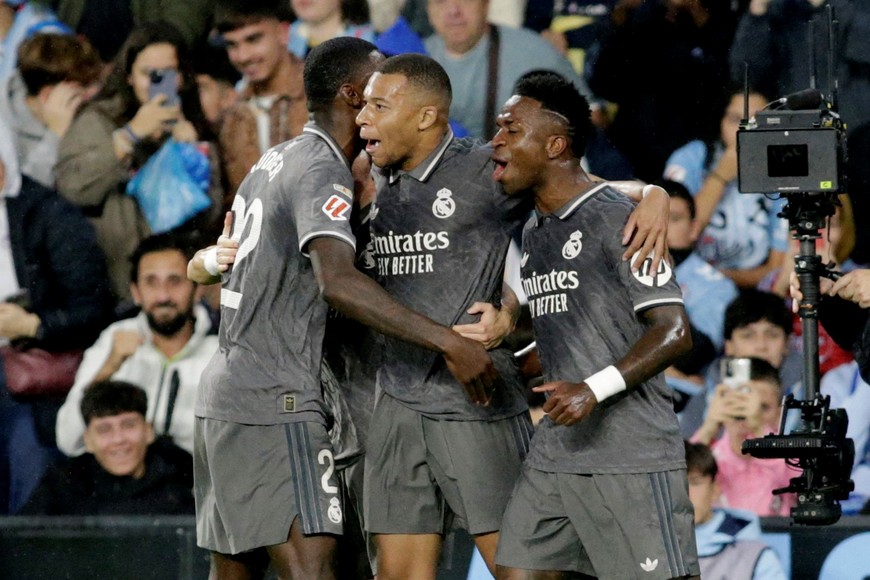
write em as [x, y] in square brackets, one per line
[661, 492]
[303, 474]
[521, 428]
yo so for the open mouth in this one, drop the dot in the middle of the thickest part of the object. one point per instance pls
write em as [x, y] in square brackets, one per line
[499, 169]
[372, 145]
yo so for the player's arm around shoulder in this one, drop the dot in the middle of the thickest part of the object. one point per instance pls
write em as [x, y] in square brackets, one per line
[666, 339]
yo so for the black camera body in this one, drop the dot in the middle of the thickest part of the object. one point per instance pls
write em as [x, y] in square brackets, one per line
[821, 450]
[791, 152]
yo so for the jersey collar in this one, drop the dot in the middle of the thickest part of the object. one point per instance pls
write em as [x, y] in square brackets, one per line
[428, 165]
[567, 210]
[314, 129]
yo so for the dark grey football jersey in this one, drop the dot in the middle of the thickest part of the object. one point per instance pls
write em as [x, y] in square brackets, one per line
[440, 234]
[272, 317]
[585, 303]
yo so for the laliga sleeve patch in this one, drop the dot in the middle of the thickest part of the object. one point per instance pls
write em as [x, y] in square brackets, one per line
[336, 208]
[656, 279]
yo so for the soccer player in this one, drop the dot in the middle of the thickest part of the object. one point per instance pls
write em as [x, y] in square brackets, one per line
[264, 466]
[440, 231]
[603, 490]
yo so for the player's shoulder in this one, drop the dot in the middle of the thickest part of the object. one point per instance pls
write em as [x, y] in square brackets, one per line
[469, 152]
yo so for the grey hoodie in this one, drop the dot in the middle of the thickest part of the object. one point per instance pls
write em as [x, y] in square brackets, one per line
[35, 143]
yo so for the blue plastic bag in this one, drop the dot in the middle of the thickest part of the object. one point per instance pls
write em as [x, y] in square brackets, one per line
[172, 186]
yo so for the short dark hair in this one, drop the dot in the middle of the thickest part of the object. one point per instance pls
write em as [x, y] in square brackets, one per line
[422, 72]
[210, 60]
[110, 398]
[752, 305]
[49, 59]
[559, 95]
[679, 191]
[184, 243]
[231, 15]
[699, 458]
[330, 65]
[761, 370]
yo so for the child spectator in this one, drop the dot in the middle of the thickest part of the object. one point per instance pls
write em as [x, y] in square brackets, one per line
[743, 411]
[125, 470]
[729, 544]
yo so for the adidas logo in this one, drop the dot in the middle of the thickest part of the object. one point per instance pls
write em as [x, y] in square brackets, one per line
[649, 565]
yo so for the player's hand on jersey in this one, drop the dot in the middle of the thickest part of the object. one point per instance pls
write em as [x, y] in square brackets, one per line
[493, 326]
[646, 230]
[568, 403]
[472, 366]
[853, 286]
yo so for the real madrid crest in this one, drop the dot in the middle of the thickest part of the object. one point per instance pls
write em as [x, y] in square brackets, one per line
[572, 247]
[444, 206]
[368, 256]
[334, 510]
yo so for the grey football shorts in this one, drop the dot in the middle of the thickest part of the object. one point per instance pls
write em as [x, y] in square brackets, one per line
[422, 472]
[252, 481]
[609, 526]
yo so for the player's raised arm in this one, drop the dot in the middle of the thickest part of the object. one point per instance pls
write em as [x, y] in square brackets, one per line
[357, 296]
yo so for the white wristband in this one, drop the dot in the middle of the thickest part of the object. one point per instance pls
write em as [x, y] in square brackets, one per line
[606, 383]
[646, 189]
[210, 263]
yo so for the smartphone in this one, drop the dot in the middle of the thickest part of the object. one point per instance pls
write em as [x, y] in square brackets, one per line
[735, 372]
[164, 81]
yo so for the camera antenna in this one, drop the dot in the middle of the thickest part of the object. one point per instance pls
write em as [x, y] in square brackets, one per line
[745, 92]
[833, 81]
[811, 44]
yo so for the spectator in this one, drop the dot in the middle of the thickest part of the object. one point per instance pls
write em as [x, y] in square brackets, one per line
[740, 234]
[272, 108]
[678, 52]
[126, 471]
[706, 291]
[321, 20]
[461, 44]
[572, 27]
[56, 75]
[743, 411]
[164, 349]
[729, 541]
[118, 131]
[54, 293]
[216, 80]
[18, 20]
[394, 33]
[108, 23]
[706, 294]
